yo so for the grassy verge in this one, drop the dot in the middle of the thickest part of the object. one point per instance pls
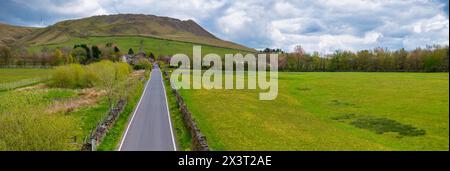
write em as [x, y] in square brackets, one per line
[88, 117]
[183, 136]
[113, 137]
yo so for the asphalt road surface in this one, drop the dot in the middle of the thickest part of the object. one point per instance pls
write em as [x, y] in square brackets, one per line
[150, 127]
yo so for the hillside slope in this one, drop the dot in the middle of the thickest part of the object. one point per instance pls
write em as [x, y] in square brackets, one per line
[127, 25]
[9, 33]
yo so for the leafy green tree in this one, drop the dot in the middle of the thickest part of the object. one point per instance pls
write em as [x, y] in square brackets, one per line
[69, 59]
[96, 53]
[5, 55]
[58, 58]
[79, 55]
[109, 77]
[130, 51]
[116, 49]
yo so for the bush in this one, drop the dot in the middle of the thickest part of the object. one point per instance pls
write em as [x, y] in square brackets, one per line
[69, 76]
[95, 74]
[142, 64]
[110, 77]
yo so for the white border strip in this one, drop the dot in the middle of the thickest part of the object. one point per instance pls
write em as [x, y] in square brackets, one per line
[168, 113]
[134, 113]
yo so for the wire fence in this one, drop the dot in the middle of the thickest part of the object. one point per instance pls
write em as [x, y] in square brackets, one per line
[21, 83]
[26, 66]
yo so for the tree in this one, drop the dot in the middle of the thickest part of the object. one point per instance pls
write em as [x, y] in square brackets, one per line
[108, 53]
[116, 49]
[69, 59]
[5, 55]
[299, 53]
[130, 51]
[79, 55]
[96, 53]
[282, 61]
[117, 54]
[151, 56]
[58, 58]
[363, 59]
[110, 77]
[400, 59]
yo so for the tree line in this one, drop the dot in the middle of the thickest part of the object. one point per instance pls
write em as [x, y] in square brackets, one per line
[80, 53]
[430, 59]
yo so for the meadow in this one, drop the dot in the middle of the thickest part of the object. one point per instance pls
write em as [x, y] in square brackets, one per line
[12, 78]
[8, 75]
[329, 111]
[42, 116]
[28, 124]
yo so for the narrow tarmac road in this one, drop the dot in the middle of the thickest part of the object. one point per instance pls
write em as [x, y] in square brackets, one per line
[150, 127]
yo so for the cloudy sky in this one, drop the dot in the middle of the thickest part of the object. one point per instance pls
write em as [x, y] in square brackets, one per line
[319, 25]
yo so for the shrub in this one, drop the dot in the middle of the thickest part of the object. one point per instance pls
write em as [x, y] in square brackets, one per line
[96, 74]
[109, 76]
[122, 70]
[69, 76]
[142, 64]
[58, 58]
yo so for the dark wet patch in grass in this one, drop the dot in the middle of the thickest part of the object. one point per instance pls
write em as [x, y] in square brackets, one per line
[344, 117]
[341, 103]
[380, 125]
[303, 89]
[384, 125]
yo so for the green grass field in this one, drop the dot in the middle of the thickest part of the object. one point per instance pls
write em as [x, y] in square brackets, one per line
[154, 45]
[329, 111]
[11, 75]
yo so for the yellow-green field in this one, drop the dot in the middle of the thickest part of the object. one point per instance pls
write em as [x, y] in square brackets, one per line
[329, 111]
[8, 75]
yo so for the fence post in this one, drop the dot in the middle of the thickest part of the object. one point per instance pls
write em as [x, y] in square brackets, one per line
[93, 144]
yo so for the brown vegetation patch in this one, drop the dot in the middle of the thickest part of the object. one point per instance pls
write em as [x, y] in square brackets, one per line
[33, 87]
[86, 97]
[138, 74]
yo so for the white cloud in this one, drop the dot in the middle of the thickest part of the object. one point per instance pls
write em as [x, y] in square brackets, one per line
[181, 9]
[327, 25]
[233, 21]
[322, 25]
[77, 8]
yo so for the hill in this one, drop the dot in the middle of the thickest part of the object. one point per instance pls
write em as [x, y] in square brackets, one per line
[149, 44]
[9, 33]
[127, 25]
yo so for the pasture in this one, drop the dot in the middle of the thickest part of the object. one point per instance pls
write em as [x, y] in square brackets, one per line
[8, 75]
[329, 111]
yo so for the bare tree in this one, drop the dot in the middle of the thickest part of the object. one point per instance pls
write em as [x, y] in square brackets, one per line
[299, 53]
